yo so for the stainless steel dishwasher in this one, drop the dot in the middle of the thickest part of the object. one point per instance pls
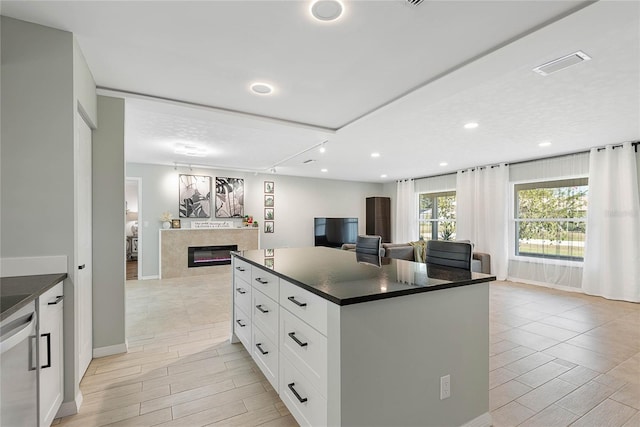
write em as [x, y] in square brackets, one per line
[19, 398]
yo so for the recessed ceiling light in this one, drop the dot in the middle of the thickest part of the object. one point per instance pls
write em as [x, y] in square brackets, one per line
[375, 154]
[260, 88]
[443, 163]
[324, 170]
[384, 175]
[471, 125]
[544, 144]
[326, 10]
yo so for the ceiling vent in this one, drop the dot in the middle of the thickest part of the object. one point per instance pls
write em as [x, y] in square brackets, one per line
[414, 2]
[306, 162]
[562, 63]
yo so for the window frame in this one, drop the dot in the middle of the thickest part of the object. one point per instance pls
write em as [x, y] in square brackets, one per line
[557, 182]
[435, 221]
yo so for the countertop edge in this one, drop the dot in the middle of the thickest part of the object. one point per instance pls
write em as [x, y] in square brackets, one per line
[368, 298]
[48, 280]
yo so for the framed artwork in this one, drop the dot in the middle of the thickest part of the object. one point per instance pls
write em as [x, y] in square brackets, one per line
[268, 262]
[268, 226]
[268, 252]
[229, 197]
[268, 200]
[175, 223]
[194, 196]
[269, 186]
[268, 214]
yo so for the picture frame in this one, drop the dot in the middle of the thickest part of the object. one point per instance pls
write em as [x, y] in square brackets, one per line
[268, 227]
[269, 200]
[194, 196]
[269, 187]
[229, 202]
[269, 252]
[269, 262]
[269, 214]
[175, 223]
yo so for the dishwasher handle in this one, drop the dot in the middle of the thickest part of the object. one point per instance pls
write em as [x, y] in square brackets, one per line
[17, 331]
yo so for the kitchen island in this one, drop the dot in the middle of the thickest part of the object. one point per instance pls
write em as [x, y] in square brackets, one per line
[347, 339]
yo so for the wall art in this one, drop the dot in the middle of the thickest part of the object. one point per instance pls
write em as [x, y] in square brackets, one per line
[269, 214]
[194, 196]
[269, 187]
[229, 197]
[268, 200]
[268, 226]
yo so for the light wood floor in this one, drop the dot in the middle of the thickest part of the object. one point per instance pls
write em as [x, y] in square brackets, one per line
[556, 359]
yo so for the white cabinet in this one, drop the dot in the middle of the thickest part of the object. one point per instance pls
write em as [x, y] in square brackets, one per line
[51, 354]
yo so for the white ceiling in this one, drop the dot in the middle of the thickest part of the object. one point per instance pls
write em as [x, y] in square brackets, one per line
[387, 77]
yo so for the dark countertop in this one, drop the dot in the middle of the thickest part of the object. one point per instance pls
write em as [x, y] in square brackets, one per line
[16, 292]
[344, 277]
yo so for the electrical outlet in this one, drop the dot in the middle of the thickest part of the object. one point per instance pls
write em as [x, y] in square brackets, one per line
[445, 387]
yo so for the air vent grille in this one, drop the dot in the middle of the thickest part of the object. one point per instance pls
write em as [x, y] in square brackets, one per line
[306, 162]
[414, 2]
[562, 63]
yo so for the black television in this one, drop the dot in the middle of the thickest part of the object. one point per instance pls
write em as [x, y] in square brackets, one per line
[334, 232]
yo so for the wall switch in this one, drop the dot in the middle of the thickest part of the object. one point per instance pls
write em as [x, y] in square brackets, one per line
[445, 387]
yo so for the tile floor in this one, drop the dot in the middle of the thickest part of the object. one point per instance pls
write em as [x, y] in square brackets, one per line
[556, 359]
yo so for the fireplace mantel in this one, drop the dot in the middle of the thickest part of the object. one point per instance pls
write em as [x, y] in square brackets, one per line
[174, 244]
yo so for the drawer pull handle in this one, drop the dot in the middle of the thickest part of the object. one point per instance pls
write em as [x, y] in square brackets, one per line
[261, 280]
[81, 267]
[241, 291]
[259, 345]
[58, 299]
[259, 307]
[293, 390]
[300, 343]
[239, 268]
[48, 337]
[296, 302]
[239, 322]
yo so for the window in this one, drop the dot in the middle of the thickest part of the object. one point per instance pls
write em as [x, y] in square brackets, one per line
[437, 216]
[550, 219]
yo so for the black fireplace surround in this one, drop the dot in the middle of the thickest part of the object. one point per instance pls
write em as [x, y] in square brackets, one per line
[205, 256]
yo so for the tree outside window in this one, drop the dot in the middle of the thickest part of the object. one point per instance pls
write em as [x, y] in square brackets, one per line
[437, 215]
[550, 218]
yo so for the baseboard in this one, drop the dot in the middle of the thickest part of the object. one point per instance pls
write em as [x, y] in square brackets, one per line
[545, 285]
[27, 266]
[483, 420]
[109, 350]
[150, 277]
[70, 408]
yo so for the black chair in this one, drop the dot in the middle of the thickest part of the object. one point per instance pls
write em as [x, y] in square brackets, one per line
[371, 245]
[449, 254]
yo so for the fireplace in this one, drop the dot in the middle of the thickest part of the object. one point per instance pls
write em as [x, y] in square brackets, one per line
[204, 256]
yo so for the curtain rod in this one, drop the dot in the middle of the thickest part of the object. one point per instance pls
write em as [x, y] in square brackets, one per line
[635, 144]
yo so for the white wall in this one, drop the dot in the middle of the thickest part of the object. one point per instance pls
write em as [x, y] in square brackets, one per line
[297, 202]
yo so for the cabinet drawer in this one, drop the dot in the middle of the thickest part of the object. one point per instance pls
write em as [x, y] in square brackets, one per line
[265, 353]
[266, 282]
[265, 315]
[242, 295]
[306, 348]
[309, 408]
[307, 306]
[242, 327]
[242, 269]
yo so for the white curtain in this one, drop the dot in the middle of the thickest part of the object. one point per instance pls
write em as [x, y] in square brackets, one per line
[612, 246]
[406, 229]
[482, 196]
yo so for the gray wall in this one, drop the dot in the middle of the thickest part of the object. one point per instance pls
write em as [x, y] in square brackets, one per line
[297, 202]
[45, 81]
[108, 225]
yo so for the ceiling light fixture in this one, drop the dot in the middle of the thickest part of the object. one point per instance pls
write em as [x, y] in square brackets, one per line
[272, 170]
[374, 155]
[322, 148]
[190, 150]
[260, 88]
[324, 170]
[326, 10]
[544, 144]
[443, 163]
[384, 175]
[471, 125]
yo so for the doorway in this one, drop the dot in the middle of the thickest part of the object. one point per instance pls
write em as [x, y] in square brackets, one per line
[133, 233]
